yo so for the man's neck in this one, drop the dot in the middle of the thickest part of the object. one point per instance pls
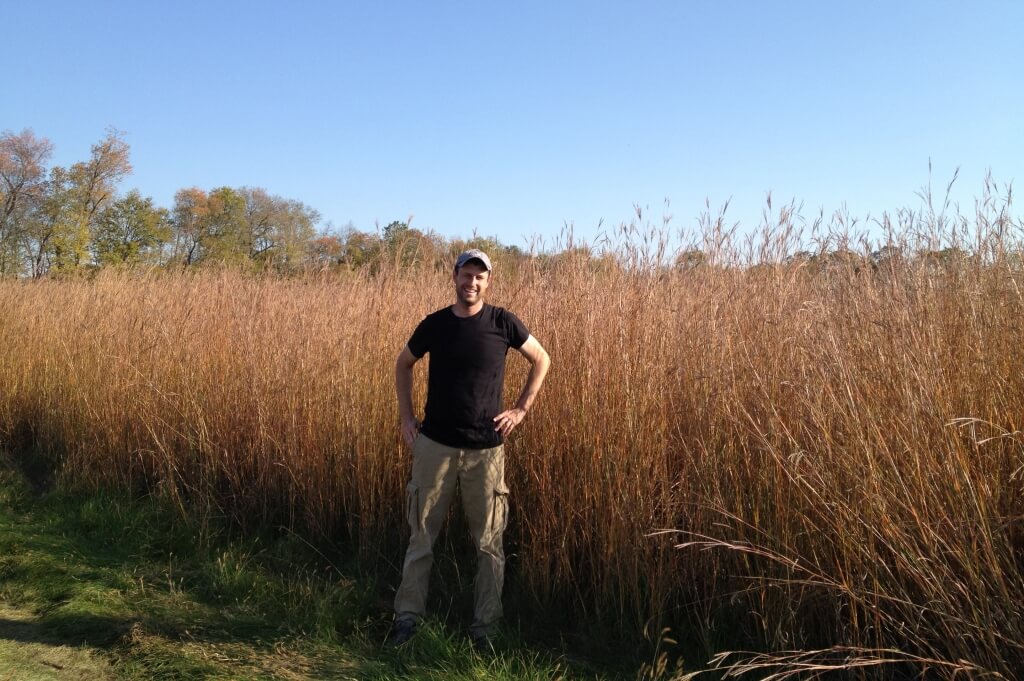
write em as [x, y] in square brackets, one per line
[460, 309]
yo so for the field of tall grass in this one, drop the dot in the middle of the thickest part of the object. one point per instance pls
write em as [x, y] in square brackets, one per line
[813, 457]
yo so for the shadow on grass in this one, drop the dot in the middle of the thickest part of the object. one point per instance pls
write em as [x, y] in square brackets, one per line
[79, 630]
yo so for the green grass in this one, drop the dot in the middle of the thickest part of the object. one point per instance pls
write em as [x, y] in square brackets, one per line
[101, 586]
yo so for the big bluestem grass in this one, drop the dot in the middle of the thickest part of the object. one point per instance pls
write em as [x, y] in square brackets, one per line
[791, 443]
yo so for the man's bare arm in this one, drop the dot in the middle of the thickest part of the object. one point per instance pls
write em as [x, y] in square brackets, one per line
[539, 361]
[403, 385]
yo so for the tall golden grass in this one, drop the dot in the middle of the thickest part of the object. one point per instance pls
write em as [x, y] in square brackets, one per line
[815, 458]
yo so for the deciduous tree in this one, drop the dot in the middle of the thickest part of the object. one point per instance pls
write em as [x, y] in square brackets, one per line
[23, 159]
[188, 222]
[225, 241]
[278, 232]
[131, 230]
[76, 198]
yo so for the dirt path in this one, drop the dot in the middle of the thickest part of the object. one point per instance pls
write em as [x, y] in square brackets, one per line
[29, 653]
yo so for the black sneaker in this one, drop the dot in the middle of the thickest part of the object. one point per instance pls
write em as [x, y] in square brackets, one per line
[401, 632]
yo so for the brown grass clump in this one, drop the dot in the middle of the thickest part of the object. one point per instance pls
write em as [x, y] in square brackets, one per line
[831, 442]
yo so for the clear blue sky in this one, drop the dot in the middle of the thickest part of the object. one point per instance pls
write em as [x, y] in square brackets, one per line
[513, 118]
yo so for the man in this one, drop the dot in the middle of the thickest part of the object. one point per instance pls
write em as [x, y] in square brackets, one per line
[461, 438]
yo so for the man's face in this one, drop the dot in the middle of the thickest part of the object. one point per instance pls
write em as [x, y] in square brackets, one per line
[471, 281]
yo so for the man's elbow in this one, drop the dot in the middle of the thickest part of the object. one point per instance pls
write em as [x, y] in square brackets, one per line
[535, 354]
[405, 360]
[403, 370]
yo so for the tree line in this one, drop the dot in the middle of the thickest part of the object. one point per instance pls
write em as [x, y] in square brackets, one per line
[62, 221]
[57, 221]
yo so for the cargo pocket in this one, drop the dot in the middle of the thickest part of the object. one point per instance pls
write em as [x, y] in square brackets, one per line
[412, 506]
[499, 509]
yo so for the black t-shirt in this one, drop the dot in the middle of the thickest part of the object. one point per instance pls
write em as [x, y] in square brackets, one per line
[467, 373]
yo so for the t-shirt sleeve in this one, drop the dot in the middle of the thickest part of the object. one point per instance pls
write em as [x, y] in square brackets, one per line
[420, 341]
[515, 331]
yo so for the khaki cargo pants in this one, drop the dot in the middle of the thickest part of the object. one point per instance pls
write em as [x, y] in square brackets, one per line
[481, 476]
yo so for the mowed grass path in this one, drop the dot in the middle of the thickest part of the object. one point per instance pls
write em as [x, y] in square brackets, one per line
[95, 587]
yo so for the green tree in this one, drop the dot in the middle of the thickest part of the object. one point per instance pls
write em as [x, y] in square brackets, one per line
[131, 230]
[61, 235]
[691, 259]
[395, 232]
[361, 249]
[406, 246]
[224, 234]
[53, 218]
[278, 232]
[295, 231]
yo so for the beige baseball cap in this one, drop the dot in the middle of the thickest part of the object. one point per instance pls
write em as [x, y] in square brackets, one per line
[474, 254]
